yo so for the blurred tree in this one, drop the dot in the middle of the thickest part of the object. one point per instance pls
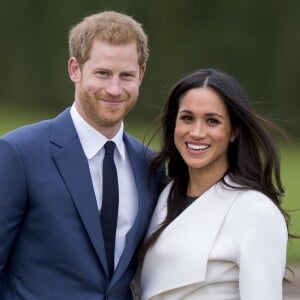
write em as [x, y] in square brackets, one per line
[258, 42]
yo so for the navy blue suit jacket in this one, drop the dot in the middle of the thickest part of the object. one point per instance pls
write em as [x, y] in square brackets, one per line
[51, 245]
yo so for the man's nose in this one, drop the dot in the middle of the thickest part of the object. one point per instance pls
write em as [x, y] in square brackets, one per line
[114, 87]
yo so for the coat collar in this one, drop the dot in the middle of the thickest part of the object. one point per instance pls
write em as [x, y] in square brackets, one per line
[91, 139]
[179, 257]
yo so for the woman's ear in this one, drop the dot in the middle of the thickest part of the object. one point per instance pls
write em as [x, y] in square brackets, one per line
[234, 134]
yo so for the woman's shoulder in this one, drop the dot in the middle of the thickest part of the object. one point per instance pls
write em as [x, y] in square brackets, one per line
[250, 199]
[253, 208]
[251, 204]
[256, 201]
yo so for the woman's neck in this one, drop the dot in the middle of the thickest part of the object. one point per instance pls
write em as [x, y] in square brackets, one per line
[200, 182]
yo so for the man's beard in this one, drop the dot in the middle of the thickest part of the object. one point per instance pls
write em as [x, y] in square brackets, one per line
[95, 113]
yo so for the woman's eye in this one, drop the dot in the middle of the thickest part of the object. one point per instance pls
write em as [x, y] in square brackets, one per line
[213, 121]
[186, 118]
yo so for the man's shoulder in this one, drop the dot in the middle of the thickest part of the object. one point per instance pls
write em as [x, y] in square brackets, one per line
[30, 132]
[136, 143]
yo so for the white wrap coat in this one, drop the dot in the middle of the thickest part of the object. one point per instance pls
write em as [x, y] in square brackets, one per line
[228, 244]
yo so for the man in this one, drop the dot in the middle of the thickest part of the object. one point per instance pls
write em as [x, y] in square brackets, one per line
[52, 238]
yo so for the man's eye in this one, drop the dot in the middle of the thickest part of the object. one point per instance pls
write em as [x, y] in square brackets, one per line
[102, 73]
[127, 75]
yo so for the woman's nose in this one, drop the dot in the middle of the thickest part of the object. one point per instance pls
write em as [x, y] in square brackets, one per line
[198, 130]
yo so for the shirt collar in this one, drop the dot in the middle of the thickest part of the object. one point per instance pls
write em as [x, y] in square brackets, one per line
[92, 140]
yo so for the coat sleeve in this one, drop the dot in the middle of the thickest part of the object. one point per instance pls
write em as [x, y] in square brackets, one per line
[12, 198]
[262, 251]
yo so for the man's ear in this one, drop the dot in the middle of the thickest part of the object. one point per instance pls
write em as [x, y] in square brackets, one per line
[142, 72]
[74, 70]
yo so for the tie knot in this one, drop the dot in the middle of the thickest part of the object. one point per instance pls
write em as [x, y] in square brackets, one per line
[109, 148]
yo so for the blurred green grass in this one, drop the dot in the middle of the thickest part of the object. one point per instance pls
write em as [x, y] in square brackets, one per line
[13, 117]
[290, 156]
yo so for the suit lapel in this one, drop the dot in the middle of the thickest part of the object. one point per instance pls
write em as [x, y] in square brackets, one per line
[146, 204]
[177, 243]
[73, 167]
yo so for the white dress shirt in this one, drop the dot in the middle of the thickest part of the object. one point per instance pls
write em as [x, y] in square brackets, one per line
[92, 142]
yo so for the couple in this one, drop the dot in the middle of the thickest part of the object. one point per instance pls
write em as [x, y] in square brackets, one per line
[218, 230]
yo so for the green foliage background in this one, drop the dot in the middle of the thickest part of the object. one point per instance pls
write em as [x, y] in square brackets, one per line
[256, 41]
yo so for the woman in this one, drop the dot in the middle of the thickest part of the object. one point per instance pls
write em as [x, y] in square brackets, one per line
[218, 231]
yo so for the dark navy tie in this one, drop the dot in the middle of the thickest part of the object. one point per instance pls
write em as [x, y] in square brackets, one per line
[110, 204]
